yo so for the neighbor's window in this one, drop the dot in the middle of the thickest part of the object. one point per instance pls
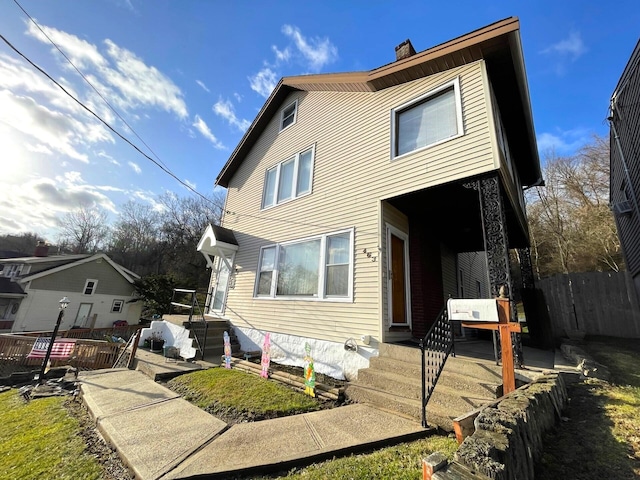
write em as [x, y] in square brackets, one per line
[117, 305]
[288, 115]
[289, 179]
[312, 268]
[90, 287]
[427, 120]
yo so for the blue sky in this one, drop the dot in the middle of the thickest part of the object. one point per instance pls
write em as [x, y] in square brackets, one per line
[189, 76]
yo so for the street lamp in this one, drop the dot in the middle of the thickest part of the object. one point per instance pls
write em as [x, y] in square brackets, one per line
[64, 303]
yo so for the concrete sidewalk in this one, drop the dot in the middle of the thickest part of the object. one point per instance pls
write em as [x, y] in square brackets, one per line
[160, 435]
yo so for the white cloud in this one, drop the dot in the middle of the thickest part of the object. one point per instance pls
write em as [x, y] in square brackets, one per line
[204, 130]
[135, 167]
[141, 84]
[237, 96]
[281, 55]
[190, 184]
[573, 46]
[105, 155]
[80, 52]
[203, 86]
[562, 142]
[263, 82]
[317, 51]
[57, 131]
[224, 108]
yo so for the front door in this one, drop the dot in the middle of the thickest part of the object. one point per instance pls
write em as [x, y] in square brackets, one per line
[83, 315]
[398, 282]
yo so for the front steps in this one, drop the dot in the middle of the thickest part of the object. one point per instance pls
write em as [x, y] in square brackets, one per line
[393, 382]
[214, 344]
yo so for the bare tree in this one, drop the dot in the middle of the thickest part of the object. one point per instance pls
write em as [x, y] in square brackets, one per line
[135, 237]
[571, 225]
[84, 230]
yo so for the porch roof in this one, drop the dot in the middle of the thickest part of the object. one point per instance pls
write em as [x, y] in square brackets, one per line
[217, 241]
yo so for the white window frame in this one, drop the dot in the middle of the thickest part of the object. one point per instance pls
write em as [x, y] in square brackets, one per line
[294, 186]
[117, 306]
[295, 114]
[395, 112]
[228, 263]
[322, 265]
[86, 284]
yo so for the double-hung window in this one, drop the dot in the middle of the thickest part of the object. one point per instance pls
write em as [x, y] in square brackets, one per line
[90, 286]
[289, 179]
[315, 268]
[427, 120]
[288, 115]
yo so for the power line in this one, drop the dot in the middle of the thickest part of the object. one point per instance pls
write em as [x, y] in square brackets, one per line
[106, 124]
[89, 83]
[162, 167]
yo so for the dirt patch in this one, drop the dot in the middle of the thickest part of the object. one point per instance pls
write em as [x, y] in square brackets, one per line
[113, 468]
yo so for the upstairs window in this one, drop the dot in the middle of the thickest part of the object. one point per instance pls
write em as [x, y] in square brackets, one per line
[427, 120]
[289, 179]
[288, 115]
[90, 287]
[316, 268]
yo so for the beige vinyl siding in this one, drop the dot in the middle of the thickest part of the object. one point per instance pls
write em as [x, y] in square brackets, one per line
[352, 172]
[73, 279]
[474, 266]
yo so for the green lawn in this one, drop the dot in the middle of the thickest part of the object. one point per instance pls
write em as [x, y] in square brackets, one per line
[232, 393]
[601, 435]
[39, 440]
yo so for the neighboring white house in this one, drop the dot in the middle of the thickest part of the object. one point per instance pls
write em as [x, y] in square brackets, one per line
[100, 291]
[356, 202]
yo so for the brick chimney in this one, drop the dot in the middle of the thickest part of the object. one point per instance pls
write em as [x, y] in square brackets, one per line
[42, 249]
[405, 50]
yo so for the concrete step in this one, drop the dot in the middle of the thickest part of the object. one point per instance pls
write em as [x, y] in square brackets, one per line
[411, 386]
[436, 415]
[485, 372]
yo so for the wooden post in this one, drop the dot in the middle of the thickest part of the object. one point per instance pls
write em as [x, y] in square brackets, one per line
[506, 327]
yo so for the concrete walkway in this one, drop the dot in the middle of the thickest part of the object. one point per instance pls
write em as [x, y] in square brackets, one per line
[160, 435]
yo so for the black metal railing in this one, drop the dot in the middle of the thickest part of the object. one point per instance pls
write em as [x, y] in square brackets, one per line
[436, 346]
[198, 329]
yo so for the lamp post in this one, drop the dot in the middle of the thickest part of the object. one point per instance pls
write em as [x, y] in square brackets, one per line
[64, 303]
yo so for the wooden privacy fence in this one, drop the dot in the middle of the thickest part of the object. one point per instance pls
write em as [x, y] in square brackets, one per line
[594, 303]
[86, 355]
[91, 333]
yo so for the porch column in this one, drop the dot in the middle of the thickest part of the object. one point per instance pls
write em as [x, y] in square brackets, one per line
[494, 229]
[496, 242]
[526, 268]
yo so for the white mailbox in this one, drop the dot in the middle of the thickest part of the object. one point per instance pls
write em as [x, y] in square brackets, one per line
[473, 309]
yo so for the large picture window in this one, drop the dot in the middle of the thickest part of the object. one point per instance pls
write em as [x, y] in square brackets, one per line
[428, 120]
[316, 268]
[289, 179]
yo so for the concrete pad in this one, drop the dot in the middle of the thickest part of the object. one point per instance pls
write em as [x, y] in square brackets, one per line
[153, 439]
[281, 442]
[113, 391]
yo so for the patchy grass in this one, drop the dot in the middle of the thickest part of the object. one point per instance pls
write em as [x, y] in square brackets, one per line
[237, 396]
[39, 440]
[400, 462]
[601, 437]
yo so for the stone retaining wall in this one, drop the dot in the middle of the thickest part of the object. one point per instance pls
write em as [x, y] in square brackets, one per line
[508, 435]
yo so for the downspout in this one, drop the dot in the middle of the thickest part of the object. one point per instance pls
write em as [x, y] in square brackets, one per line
[624, 162]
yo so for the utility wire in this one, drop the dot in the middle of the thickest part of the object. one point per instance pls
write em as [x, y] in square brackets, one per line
[162, 167]
[89, 83]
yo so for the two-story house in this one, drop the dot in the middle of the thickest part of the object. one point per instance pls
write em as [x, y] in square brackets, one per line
[624, 121]
[99, 290]
[358, 202]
